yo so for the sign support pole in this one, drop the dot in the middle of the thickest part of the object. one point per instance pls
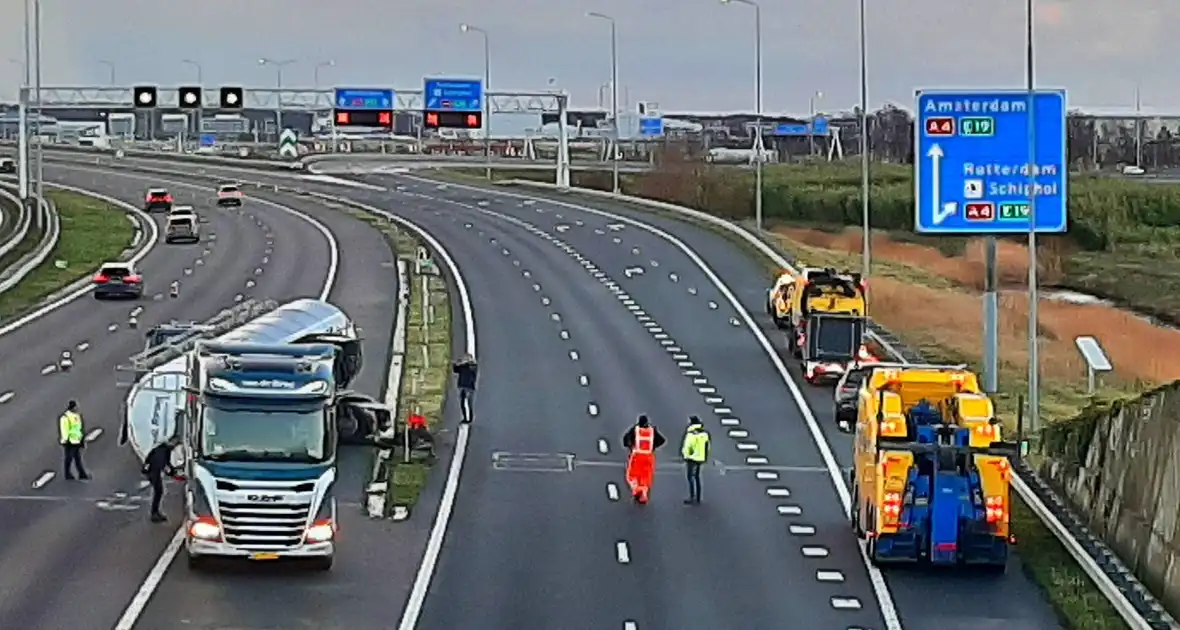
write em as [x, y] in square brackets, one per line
[1034, 371]
[991, 308]
[23, 144]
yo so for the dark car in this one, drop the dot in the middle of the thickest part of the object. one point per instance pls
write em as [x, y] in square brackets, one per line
[847, 396]
[229, 195]
[157, 200]
[118, 280]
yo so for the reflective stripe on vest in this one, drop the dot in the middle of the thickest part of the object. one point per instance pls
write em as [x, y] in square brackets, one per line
[645, 440]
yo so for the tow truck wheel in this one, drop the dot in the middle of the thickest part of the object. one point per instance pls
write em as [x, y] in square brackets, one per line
[854, 513]
[195, 563]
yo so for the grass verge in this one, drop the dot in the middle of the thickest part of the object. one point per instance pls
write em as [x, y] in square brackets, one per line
[425, 372]
[1078, 602]
[92, 232]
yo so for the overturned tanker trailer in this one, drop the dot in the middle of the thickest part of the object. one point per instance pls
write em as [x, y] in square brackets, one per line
[256, 396]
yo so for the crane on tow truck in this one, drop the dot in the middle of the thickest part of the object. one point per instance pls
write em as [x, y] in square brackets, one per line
[931, 475]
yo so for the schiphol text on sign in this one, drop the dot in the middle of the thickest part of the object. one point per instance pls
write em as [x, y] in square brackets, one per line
[364, 98]
[971, 162]
[460, 95]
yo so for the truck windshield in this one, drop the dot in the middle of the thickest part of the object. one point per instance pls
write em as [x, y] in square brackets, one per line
[231, 433]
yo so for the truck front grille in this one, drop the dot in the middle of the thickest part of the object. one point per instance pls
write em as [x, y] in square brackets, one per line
[265, 526]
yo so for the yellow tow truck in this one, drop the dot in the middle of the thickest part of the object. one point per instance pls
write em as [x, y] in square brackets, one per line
[931, 475]
[822, 313]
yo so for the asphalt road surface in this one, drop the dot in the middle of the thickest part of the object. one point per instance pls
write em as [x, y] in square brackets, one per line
[924, 600]
[83, 549]
[572, 349]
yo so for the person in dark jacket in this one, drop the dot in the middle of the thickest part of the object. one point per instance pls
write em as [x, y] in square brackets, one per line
[466, 372]
[157, 464]
[641, 441]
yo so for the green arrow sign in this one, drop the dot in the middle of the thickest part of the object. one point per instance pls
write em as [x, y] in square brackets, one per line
[288, 143]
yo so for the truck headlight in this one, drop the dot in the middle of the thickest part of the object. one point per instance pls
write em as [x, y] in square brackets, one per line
[320, 531]
[205, 528]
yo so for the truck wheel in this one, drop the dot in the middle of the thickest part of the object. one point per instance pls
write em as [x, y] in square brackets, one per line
[196, 563]
[323, 563]
[854, 514]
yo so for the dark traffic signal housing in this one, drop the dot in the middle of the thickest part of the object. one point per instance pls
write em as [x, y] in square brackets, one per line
[145, 96]
[232, 98]
[189, 97]
[451, 119]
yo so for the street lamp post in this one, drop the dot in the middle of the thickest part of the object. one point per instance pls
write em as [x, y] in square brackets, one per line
[111, 67]
[866, 240]
[487, 78]
[1034, 371]
[200, 83]
[37, 91]
[315, 73]
[614, 96]
[279, 65]
[811, 128]
[759, 151]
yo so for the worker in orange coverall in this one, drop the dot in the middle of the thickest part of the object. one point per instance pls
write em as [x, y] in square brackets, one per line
[641, 440]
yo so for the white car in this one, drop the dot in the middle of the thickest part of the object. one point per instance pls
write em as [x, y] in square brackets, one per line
[229, 195]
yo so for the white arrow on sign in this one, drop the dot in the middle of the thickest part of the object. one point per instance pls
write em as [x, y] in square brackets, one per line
[940, 212]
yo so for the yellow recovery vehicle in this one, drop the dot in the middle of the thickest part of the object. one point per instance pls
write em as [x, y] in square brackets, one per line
[818, 300]
[930, 480]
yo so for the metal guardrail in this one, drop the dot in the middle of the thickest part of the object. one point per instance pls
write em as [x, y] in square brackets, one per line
[1130, 598]
[1127, 595]
[21, 229]
[17, 272]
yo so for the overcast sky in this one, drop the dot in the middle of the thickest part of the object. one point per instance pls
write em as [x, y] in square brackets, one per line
[688, 55]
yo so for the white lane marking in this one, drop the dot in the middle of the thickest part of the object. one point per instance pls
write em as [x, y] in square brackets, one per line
[6, 396]
[112, 328]
[700, 380]
[673, 277]
[685, 364]
[603, 446]
[83, 347]
[573, 355]
[802, 530]
[45, 478]
[545, 301]
[630, 625]
[692, 372]
[49, 369]
[674, 349]
[592, 409]
[714, 400]
[747, 446]
[712, 305]
[655, 328]
[583, 380]
[565, 334]
[536, 287]
[94, 434]
[815, 552]
[730, 422]
[669, 345]
[612, 492]
[790, 510]
[706, 390]
[660, 335]
[757, 460]
[824, 575]
[555, 317]
[723, 410]
[778, 492]
[692, 290]
[738, 433]
[766, 475]
[679, 356]
[845, 603]
[622, 553]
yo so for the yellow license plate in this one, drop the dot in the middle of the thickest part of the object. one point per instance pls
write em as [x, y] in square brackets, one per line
[264, 556]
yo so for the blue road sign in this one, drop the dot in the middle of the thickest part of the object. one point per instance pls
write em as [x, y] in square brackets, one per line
[208, 139]
[972, 163]
[365, 98]
[651, 127]
[817, 127]
[460, 95]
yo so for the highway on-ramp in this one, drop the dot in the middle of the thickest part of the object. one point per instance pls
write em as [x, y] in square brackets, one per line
[79, 552]
[684, 306]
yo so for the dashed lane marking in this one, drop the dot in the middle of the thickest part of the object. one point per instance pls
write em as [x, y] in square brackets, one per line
[6, 396]
[739, 433]
[747, 446]
[778, 492]
[49, 369]
[756, 460]
[815, 551]
[583, 380]
[83, 347]
[573, 355]
[603, 446]
[94, 434]
[826, 575]
[622, 553]
[801, 530]
[45, 478]
[565, 334]
[730, 422]
[612, 492]
[845, 603]
[766, 475]
[790, 510]
[592, 409]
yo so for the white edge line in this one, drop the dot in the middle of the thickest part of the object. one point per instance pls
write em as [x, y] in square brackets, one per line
[881, 589]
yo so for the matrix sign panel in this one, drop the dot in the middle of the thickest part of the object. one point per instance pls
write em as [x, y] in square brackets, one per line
[453, 103]
[363, 118]
[974, 172]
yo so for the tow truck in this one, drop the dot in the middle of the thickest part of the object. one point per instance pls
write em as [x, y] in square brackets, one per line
[256, 396]
[794, 298]
[931, 474]
[834, 343]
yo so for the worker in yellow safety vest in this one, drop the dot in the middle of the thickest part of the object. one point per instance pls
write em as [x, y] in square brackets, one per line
[72, 440]
[695, 450]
